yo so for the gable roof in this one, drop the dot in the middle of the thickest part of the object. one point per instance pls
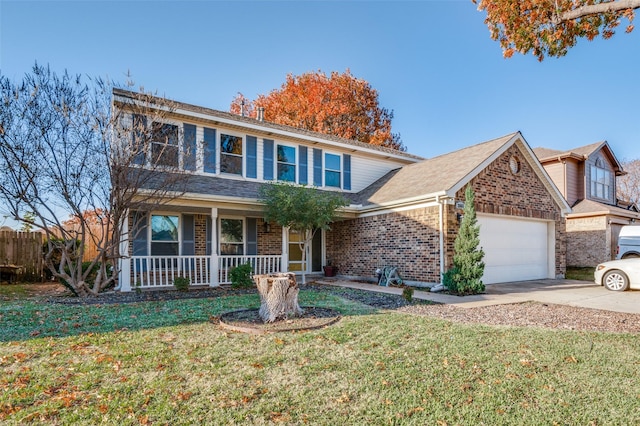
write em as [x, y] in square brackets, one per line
[272, 129]
[446, 174]
[581, 153]
[429, 177]
[594, 208]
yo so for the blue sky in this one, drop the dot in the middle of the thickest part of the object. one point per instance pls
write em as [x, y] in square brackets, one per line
[432, 62]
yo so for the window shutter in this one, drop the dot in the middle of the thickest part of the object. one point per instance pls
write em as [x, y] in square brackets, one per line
[188, 235]
[138, 233]
[139, 227]
[303, 177]
[208, 238]
[139, 123]
[252, 157]
[252, 236]
[209, 150]
[346, 175]
[268, 160]
[189, 147]
[317, 167]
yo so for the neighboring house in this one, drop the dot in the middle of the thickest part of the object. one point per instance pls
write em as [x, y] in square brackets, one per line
[404, 210]
[586, 177]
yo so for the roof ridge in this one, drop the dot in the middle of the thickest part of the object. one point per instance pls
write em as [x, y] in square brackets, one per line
[506, 137]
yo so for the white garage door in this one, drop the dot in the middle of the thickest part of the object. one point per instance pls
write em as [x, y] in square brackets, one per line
[515, 249]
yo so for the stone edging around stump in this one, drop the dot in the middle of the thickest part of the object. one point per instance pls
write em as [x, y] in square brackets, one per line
[227, 322]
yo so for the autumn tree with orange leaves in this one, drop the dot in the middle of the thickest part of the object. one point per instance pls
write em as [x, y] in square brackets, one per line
[339, 104]
[552, 27]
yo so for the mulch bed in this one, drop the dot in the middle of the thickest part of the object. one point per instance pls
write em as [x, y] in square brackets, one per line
[248, 321]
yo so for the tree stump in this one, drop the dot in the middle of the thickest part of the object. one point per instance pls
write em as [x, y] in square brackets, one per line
[278, 296]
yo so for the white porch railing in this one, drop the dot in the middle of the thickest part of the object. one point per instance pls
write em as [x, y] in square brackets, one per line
[259, 264]
[160, 271]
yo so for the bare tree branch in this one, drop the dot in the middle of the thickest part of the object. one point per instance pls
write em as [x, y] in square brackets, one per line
[599, 8]
[628, 186]
[76, 162]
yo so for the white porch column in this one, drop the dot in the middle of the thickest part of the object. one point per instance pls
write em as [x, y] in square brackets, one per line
[285, 249]
[215, 270]
[124, 262]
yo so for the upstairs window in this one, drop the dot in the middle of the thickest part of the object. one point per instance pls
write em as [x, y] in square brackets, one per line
[332, 170]
[600, 181]
[231, 236]
[164, 144]
[286, 163]
[231, 154]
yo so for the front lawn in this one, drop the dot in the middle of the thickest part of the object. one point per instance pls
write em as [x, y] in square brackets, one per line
[169, 363]
[578, 273]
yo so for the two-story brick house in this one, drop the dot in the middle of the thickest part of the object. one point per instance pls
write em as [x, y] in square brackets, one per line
[404, 210]
[586, 177]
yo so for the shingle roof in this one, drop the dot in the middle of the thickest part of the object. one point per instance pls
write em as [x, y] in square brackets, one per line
[431, 176]
[591, 206]
[543, 153]
[587, 150]
[211, 185]
[581, 151]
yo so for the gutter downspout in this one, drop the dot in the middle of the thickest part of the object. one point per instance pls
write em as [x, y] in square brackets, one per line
[439, 287]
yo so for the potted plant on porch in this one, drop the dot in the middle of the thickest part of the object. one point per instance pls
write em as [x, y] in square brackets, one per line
[330, 270]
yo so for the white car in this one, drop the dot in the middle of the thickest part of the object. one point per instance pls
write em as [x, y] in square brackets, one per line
[619, 275]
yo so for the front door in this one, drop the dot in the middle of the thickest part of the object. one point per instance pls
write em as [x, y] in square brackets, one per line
[314, 253]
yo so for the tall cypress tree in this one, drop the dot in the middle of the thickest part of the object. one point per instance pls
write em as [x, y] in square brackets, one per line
[468, 266]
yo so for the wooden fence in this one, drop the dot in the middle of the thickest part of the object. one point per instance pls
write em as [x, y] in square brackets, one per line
[23, 249]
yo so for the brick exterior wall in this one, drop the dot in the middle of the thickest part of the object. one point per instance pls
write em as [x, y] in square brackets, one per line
[200, 240]
[410, 239]
[269, 243]
[588, 241]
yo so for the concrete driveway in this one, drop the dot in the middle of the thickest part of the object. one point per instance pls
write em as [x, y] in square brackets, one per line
[582, 294]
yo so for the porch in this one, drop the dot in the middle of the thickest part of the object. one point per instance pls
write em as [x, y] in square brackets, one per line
[154, 272]
[182, 241]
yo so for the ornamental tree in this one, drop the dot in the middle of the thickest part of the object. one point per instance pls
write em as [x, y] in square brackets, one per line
[303, 209]
[336, 104]
[552, 27]
[466, 275]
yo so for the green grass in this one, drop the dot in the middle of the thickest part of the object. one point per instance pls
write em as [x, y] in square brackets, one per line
[166, 363]
[583, 274]
[12, 291]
